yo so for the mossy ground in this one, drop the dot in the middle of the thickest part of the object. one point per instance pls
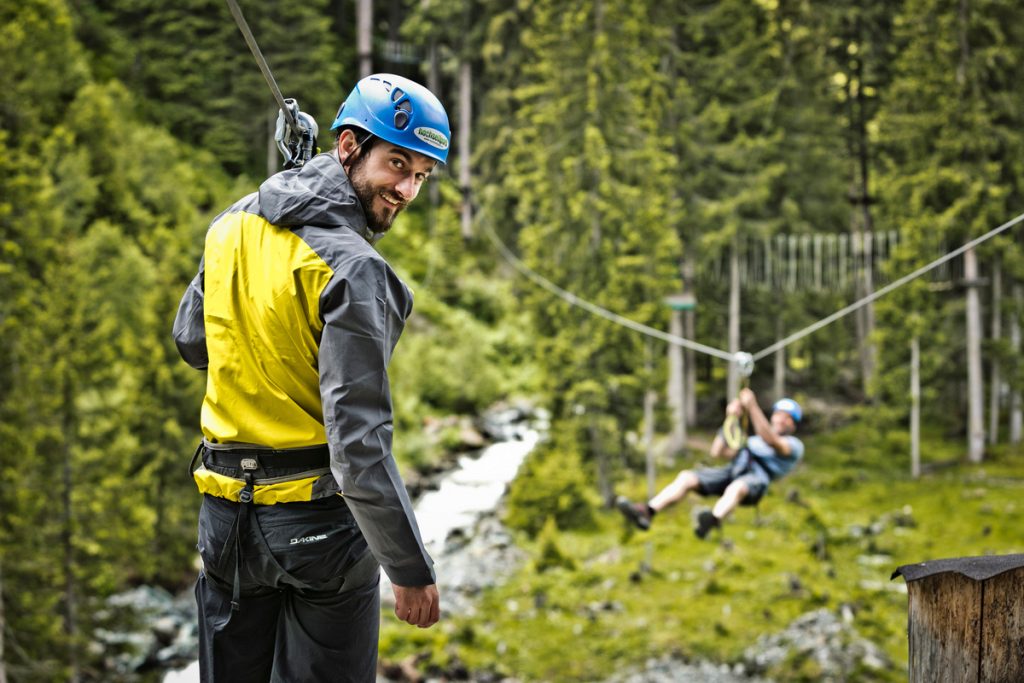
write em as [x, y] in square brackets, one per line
[830, 534]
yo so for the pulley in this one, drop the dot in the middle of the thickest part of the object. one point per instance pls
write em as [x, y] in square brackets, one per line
[297, 146]
[744, 363]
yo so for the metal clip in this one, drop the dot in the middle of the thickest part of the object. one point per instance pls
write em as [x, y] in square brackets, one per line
[297, 146]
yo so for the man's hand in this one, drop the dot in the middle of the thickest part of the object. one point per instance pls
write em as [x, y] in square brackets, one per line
[417, 605]
[734, 408]
[747, 398]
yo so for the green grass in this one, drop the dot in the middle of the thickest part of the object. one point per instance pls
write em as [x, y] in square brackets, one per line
[712, 599]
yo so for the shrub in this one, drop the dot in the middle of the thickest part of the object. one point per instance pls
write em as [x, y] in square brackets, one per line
[551, 483]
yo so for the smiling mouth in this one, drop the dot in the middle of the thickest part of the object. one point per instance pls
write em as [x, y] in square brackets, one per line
[392, 201]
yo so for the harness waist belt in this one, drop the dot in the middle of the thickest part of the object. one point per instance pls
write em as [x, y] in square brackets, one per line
[250, 457]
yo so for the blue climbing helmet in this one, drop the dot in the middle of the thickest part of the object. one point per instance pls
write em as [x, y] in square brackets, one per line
[788, 405]
[400, 111]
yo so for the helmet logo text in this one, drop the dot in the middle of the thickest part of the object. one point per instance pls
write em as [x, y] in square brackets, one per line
[432, 137]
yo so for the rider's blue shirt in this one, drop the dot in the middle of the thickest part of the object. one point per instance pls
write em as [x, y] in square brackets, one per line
[773, 463]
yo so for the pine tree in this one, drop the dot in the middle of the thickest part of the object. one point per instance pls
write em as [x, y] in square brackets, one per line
[949, 134]
[587, 182]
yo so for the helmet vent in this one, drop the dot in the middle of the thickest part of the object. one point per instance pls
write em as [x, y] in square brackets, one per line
[397, 94]
[403, 110]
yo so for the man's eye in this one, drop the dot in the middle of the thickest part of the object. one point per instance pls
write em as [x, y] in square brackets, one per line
[398, 163]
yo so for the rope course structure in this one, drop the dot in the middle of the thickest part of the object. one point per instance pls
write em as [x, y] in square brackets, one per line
[819, 261]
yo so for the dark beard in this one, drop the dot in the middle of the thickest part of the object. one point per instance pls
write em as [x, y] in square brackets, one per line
[379, 222]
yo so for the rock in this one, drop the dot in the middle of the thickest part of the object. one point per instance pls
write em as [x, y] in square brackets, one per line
[147, 626]
[471, 439]
[832, 643]
[673, 669]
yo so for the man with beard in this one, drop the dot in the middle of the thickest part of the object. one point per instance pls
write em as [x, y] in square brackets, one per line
[294, 316]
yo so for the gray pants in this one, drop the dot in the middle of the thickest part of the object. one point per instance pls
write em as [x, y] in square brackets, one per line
[309, 606]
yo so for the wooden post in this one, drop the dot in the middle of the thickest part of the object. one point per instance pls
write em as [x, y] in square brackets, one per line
[677, 387]
[3, 627]
[364, 37]
[689, 355]
[465, 125]
[732, 388]
[915, 408]
[272, 159]
[996, 381]
[780, 362]
[434, 84]
[675, 392]
[964, 619]
[650, 399]
[975, 407]
[604, 483]
[1016, 412]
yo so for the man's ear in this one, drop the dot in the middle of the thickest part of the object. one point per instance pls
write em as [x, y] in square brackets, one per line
[347, 144]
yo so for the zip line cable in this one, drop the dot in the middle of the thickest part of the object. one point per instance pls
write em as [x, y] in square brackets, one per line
[885, 290]
[594, 308]
[243, 26]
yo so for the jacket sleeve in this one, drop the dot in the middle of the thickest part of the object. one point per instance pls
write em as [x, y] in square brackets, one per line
[364, 313]
[189, 328]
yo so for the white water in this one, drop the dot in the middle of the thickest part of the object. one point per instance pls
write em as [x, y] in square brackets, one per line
[467, 493]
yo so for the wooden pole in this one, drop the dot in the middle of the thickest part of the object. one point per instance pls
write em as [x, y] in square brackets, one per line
[780, 362]
[1016, 412]
[465, 125]
[996, 381]
[915, 408]
[604, 484]
[3, 627]
[676, 386]
[272, 158]
[869, 318]
[650, 399]
[364, 37]
[434, 83]
[689, 355]
[975, 401]
[732, 388]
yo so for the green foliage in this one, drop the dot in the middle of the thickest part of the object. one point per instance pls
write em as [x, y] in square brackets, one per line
[611, 142]
[713, 599]
[551, 484]
[549, 554]
[195, 75]
[948, 136]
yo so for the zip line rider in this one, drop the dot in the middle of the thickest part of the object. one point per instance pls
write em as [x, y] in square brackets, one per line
[769, 454]
[294, 316]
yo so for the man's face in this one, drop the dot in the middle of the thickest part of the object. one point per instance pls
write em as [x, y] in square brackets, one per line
[386, 179]
[782, 422]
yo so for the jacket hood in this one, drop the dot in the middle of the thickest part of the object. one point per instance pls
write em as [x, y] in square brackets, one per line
[317, 194]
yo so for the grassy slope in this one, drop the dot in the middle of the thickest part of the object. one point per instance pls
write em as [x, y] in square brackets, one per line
[713, 599]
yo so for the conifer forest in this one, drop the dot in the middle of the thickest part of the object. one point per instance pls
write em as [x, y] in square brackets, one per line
[726, 171]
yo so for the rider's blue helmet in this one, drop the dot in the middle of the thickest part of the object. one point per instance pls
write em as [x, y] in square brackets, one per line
[788, 405]
[400, 111]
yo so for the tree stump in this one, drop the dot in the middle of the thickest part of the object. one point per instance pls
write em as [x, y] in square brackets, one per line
[966, 619]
